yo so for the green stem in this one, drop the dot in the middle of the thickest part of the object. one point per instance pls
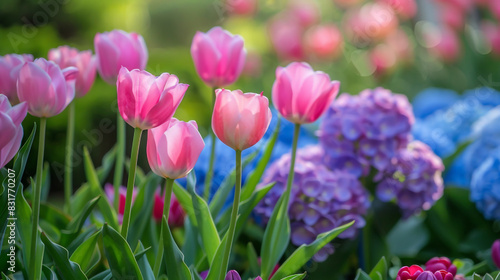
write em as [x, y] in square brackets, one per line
[120, 158]
[131, 180]
[234, 215]
[208, 176]
[68, 166]
[166, 210]
[37, 191]
[292, 163]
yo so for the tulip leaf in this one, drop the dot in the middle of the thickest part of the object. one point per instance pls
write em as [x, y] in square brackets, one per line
[66, 268]
[75, 226]
[186, 202]
[216, 267]
[142, 261]
[253, 260]
[107, 164]
[107, 211]
[306, 251]
[295, 277]
[48, 273]
[176, 267]
[105, 275]
[254, 178]
[87, 254]
[380, 270]
[121, 260]
[361, 275]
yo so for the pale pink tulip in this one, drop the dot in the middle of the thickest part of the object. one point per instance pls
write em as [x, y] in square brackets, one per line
[491, 33]
[240, 119]
[495, 8]
[306, 12]
[116, 49]
[10, 126]
[446, 45]
[372, 22]
[302, 95]
[286, 34]
[45, 87]
[10, 64]
[173, 148]
[218, 56]
[65, 56]
[146, 101]
[324, 41]
[452, 16]
[176, 214]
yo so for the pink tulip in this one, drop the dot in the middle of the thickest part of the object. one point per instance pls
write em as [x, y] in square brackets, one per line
[306, 12]
[241, 7]
[452, 16]
[495, 8]
[218, 56]
[45, 87]
[302, 95]
[240, 119]
[383, 59]
[491, 33]
[176, 214]
[372, 22]
[146, 101]
[116, 49]
[173, 148]
[10, 65]
[324, 41]
[65, 56]
[444, 45]
[10, 126]
[286, 37]
[406, 9]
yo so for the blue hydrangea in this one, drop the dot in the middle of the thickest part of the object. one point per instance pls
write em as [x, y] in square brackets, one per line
[431, 100]
[485, 187]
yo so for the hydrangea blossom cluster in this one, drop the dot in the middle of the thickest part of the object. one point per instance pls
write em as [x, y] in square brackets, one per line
[364, 131]
[413, 177]
[321, 199]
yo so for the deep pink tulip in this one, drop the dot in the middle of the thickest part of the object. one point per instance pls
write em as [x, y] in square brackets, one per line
[146, 101]
[10, 65]
[218, 56]
[443, 275]
[116, 49]
[11, 129]
[176, 214]
[173, 148]
[324, 41]
[241, 7]
[240, 119]
[65, 56]
[302, 95]
[45, 87]
[495, 252]
[110, 194]
[442, 263]
[285, 34]
[409, 273]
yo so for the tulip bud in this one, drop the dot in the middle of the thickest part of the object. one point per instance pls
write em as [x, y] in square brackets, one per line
[240, 120]
[176, 214]
[218, 56]
[302, 95]
[442, 263]
[116, 49]
[10, 126]
[232, 275]
[426, 275]
[407, 273]
[495, 252]
[45, 87]
[146, 101]
[10, 65]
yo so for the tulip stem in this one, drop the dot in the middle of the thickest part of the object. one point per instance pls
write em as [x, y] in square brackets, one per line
[208, 176]
[131, 180]
[120, 158]
[292, 164]
[68, 167]
[234, 216]
[166, 209]
[37, 191]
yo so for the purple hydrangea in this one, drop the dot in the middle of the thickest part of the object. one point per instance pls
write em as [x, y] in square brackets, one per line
[364, 131]
[413, 179]
[320, 199]
[485, 187]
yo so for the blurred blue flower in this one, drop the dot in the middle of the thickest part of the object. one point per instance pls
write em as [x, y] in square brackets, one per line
[431, 100]
[485, 187]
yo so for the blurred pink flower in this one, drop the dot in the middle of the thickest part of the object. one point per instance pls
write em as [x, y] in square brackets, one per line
[495, 252]
[10, 64]
[110, 195]
[444, 45]
[306, 12]
[406, 9]
[118, 48]
[491, 32]
[452, 16]
[495, 8]
[176, 214]
[286, 37]
[253, 65]
[86, 64]
[45, 87]
[241, 7]
[324, 41]
[11, 118]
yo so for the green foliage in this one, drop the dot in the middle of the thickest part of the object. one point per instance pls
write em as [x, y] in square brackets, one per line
[119, 255]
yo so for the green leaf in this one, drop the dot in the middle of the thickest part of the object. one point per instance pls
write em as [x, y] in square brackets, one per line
[306, 251]
[65, 268]
[408, 237]
[254, 178]
[103, 275]
[380, 270]
[195, 274]
[186, 202]
[107, 164]
[206, 226]
[295, 277]
[176, 267]
[120, 257]
[75, 226]
[361, 275]
[276, 238]
[96, 190]
[143, 262]
[476, 276]
[87, 254]
[216, 268]
[48, 273]
[487, 277]
[45, 182]
[253, 260]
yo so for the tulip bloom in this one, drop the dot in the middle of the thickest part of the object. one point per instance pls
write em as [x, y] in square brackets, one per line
[442, 263]
[302, 95]
[173, 148]
[495, 252]
[234, 275]
[109, 191]
[45, 87]
[443, 275]
[116, 49]
[409, 273]
[65, 56]
[146, 101]
[176, 213]
[240, 120]
[324, 41]
[10, 65]
[218, 56]
[12, 131]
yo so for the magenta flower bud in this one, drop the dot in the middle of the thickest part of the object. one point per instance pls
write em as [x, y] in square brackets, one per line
[240, 119]
[45, 87]
[86, 64]
[302, 95]
[146, 101]
[218, 56]
[116, 49]
[10, 65]
[232, 275]
[407, 273]
[110, 195]
[176, 214]
[442, 263]
[495, 252]
[173, 148]
[426, 275]
[10, 126]
[443, 275]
